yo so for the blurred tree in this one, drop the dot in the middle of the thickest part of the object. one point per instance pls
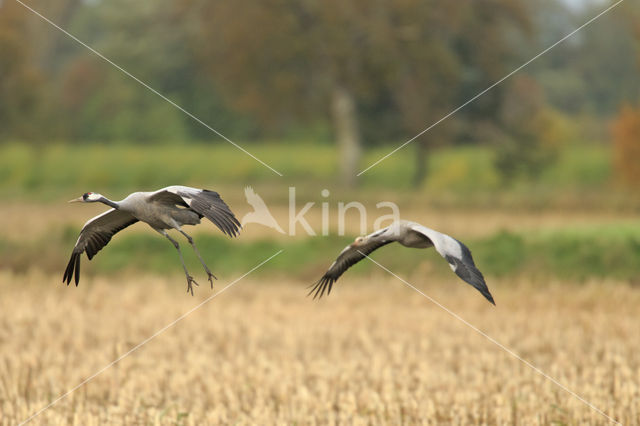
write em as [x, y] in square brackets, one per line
[95, 102]
[625, 131]
[463, 49]
[593, 71]
[286, 59]
[531, 133]
[625, 128]
[45, 41]
[20, 79]
[108, 105]
[375, 71]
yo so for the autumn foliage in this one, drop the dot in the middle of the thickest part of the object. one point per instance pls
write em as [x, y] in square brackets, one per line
[625, 132]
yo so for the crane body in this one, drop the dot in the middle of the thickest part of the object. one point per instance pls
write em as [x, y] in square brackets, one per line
[409, 234]
[168, 208]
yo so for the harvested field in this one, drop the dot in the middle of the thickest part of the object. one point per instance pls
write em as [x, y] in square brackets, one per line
[373, 352]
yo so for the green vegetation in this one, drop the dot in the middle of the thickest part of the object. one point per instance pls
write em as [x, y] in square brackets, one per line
[462, 177]
[573, 253]
[54, 170]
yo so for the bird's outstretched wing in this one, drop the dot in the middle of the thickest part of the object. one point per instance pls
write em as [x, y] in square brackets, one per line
[459, 258]
[202, 201]
[95, 234]
[351, 255]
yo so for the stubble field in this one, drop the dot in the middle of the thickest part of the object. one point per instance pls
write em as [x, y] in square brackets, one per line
[374, 352]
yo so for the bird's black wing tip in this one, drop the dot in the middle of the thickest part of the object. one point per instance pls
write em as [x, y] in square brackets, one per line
[72, 272]
[481, 286]
[236, 231]
[471, 275]
[489, 297]
[68, 272]
[324, 284]
[315, 288]
[77, 274]
[232, 233]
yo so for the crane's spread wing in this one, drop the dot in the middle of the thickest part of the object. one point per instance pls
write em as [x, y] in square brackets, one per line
[95, 234]
[351, 255]
[169, 198]
[459, 258]
[204, 202]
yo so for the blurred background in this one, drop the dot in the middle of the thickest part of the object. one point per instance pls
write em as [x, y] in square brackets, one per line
[319, 91]
[540, 177]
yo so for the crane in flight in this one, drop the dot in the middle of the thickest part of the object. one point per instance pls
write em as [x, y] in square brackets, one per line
[409, 234]
[168, 208]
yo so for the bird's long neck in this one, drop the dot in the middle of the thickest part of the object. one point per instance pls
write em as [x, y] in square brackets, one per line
[105, 200]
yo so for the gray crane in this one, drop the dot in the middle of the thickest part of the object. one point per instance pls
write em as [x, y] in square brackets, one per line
[409, 234]
[168, 208]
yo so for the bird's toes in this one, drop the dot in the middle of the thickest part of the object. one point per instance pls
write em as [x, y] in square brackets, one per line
[190, 282]
[211, 278]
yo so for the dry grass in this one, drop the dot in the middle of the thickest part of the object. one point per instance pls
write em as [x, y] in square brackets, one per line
[261, 353]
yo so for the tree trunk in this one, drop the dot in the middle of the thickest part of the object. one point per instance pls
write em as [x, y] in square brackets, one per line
[345, 122]
[421, 164]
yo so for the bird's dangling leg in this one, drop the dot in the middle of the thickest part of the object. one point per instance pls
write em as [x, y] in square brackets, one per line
[210, 276]
[190, 279]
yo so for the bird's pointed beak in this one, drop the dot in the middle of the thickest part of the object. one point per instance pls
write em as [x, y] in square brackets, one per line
[76, 200]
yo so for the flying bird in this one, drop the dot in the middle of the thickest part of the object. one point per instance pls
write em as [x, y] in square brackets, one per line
[168, 208]
[409, 234]
[260, 213]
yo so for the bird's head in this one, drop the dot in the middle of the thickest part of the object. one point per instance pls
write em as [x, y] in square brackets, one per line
[87, 197]
[358, 241]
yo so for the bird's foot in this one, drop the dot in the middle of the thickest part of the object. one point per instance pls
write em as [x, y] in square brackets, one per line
[211, 277]
[190, 281]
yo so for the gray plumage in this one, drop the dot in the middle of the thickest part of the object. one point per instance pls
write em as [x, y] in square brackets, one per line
[168, 208]
[409, 234]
